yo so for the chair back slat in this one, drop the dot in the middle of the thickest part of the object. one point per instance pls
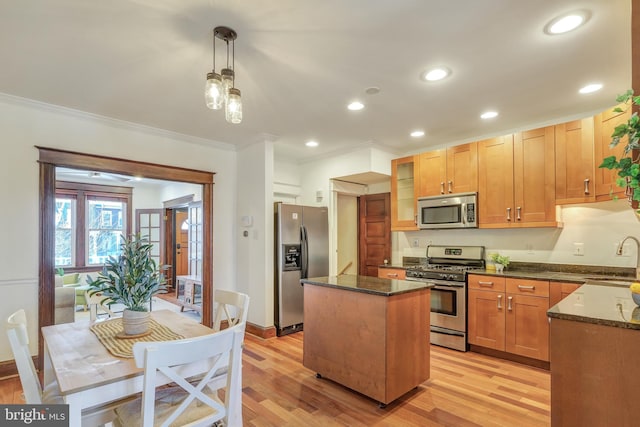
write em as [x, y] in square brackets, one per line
[19, 341]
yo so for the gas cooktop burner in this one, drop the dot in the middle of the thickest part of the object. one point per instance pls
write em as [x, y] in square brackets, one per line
[445, 267]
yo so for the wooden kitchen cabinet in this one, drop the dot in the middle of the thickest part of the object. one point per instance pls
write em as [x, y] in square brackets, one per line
[392, 273]
[604, 125]
[450, 170]
[575, 165]
[560, 290]
[404, 193]
[516, 180]
[485, 314]
[508, 314]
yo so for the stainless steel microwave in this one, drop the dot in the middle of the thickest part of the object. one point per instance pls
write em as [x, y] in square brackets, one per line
[448, 211]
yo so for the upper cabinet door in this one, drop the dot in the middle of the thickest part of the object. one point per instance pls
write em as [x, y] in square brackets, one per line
[462, 168]
[575, 162]
[404, 193]
[433, 173]
[495, 182]
[534, 177]
[604, 125]
[454, 170]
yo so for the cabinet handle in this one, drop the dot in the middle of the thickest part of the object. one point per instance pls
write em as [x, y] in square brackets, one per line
[481, 283]
[531, 288]
[518, 213]
[499, 301]
[392, 274]
[415, 219]
[442, 187]
[509, 303]
[508, 214]
[450, 186]
[586, 186]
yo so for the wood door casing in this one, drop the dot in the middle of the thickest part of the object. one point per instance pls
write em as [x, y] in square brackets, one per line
[374, 240]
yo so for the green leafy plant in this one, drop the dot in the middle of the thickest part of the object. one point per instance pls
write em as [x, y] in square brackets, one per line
[627, 166]
[132, 278]
[60, 271]
[499, 259]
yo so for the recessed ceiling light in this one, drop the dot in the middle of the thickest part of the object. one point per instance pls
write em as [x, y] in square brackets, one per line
[489, 115]
[355, 106]
[593, 87]
[372, 90]
[435, 74]
[564, 24]
[311, 144]
[417, 133]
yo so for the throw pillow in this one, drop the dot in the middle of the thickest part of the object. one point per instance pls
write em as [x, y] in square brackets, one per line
[69, 279]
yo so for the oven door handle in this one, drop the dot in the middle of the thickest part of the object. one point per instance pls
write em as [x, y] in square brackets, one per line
[445, 286]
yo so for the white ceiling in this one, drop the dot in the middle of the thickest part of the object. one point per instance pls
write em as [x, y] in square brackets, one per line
[299, 62]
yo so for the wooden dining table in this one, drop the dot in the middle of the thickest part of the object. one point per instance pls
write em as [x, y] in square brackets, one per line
[89, 375]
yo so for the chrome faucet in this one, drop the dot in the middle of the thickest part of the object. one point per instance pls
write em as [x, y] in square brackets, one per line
[619, 252]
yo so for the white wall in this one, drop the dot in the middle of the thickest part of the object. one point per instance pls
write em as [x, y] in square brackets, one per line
[600, 226]
[25, 124]
[255, 250]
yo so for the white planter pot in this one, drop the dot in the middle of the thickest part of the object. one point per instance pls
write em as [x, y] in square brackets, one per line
[499, 268]
[135, 322]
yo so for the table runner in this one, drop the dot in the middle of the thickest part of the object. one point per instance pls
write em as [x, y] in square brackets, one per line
[106, 332]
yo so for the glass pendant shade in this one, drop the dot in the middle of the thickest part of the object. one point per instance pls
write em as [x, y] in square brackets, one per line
[233, 111]
[214, 93]
[227, 76]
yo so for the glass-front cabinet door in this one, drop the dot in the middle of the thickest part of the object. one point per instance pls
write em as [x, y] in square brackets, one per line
[404, 192]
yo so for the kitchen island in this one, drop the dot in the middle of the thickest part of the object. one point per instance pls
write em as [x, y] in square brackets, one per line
[368, 334]
[594, 349]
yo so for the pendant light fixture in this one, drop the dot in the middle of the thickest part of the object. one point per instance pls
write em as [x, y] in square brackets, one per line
[220, 88]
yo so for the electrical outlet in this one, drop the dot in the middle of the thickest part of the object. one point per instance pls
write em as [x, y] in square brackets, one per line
[578, 249]
[416, 242]
[529, 248]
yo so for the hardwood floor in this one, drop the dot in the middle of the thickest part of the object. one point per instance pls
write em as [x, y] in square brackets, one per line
[465, 389]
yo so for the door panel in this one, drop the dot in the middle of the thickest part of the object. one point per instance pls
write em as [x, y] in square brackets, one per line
[150, 222]
[374, 219]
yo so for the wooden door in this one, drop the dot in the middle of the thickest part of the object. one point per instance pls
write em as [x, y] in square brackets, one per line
[575, 162]
[181, 233]
[486, 319]
[527, 326]
[534, 177]
[462, 168]
[604, 125]
[374, 219]
[495, 181]
[433, 173]
[404, 192]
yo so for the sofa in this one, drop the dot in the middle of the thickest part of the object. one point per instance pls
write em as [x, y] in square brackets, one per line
[65, 303]
[77, 282]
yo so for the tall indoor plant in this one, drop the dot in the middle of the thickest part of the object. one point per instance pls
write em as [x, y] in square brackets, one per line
[627, 166]
[130, 279]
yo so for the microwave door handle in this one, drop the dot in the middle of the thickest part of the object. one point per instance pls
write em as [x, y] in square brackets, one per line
[464, 213]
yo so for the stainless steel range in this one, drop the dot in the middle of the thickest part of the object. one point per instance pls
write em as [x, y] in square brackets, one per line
[447, 268]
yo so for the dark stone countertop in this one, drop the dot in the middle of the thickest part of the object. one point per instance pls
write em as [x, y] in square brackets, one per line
[366, 284]
[601, 303]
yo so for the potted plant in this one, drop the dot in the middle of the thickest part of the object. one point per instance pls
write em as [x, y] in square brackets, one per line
[130, 279]
[627, 166]
[500, 261]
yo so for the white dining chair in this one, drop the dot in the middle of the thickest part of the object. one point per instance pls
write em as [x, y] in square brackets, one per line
[186, 403]
[97, 302]
[34, 393]
[231, 307]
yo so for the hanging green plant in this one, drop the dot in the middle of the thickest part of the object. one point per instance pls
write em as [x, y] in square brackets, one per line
[628, 133]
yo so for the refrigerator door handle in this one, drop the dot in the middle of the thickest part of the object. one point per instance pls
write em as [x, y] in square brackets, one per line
[305, 252]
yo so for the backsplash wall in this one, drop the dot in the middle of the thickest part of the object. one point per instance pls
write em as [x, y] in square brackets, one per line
[598, 226]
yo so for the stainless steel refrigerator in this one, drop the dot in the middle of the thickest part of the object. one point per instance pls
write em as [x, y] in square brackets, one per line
[302, 250]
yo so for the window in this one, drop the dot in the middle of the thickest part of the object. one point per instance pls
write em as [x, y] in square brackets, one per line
[90, 220]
